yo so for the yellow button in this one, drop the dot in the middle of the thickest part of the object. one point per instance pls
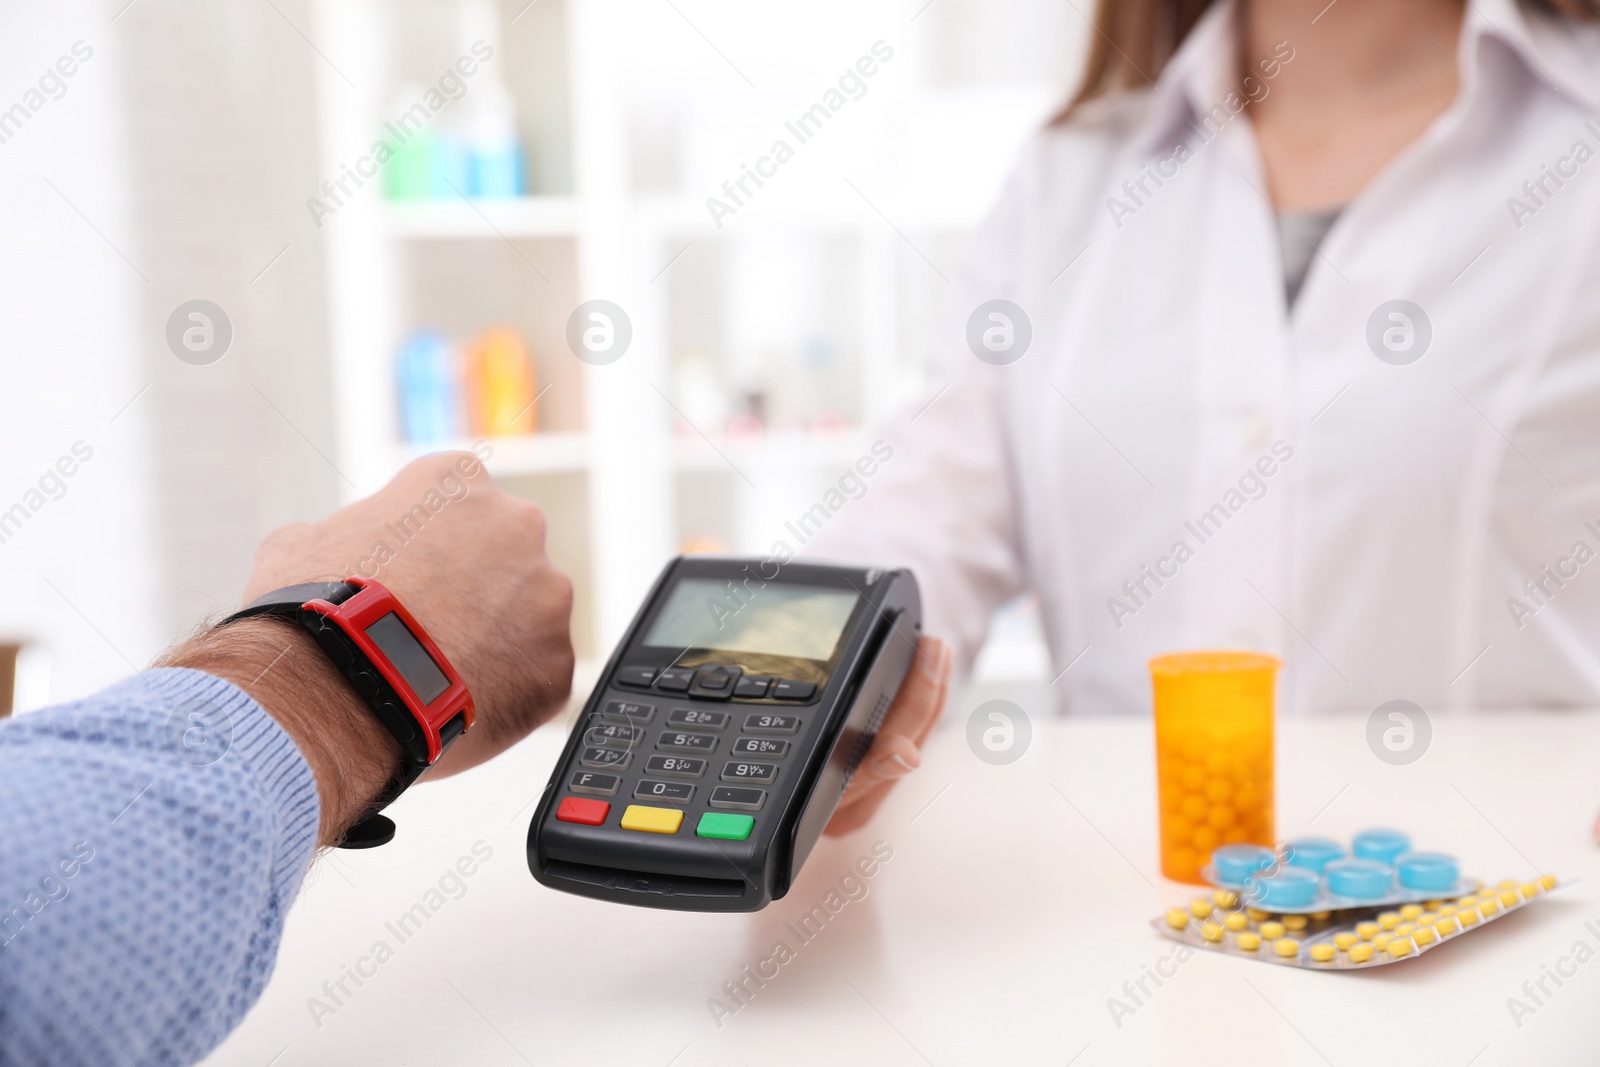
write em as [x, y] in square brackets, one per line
[652, 820]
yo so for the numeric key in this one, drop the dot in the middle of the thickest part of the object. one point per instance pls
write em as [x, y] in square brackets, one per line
[684, 742]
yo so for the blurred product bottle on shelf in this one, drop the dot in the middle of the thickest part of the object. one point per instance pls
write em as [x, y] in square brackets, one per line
[428, 374]
[409, 173]
[494, 157]
[749, 426]
[701, 399]
[500, 386]
[705, 544]
[422, 162]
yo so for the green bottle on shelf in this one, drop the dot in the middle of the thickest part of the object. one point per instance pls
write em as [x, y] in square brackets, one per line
[409, 174]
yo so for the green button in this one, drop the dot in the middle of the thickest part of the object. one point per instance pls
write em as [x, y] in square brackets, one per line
[724, 827]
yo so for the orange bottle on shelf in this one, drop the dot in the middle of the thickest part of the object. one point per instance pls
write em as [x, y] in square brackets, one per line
[1214, 713]
[500, 385]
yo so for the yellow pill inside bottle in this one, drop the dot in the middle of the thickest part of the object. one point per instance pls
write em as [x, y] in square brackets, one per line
[1400, 947]
[1286, 947]
[1389, 920]
[1294, 922]
[1225, 898]
[1447, 927]
[1365, 931]
[1257, 915]
[1272, 930]
[1344, 941]
[1211, 931]
[1236, 921]
[1468, 916]
[1488, 906]
[1200, 907]
[1410, 911]
[1360, 953]
[1322, 952]
[1547, 881]
[1510, 898]
[1530, 890]
[1177, 918]
[1249, 941]
[1381, 940]
[1425, 935]
[1404, 929]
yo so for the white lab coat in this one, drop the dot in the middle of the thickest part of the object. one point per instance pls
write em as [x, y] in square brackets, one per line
[1407, 504]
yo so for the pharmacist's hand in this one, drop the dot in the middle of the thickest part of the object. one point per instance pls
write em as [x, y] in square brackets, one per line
[472, 569]
[897, 750]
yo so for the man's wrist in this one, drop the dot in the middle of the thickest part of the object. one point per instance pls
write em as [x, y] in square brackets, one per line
[351, 755]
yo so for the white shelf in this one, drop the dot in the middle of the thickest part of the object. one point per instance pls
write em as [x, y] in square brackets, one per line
[540, 453]
[459, 219]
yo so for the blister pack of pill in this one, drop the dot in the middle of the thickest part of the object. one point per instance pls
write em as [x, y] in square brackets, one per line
[1317, 874]
[1352, 939]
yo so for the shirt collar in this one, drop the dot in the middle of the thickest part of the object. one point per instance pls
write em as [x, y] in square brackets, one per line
[1550, 48]
[1204, 72]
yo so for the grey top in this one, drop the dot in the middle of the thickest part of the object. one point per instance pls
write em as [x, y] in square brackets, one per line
[1300, 234]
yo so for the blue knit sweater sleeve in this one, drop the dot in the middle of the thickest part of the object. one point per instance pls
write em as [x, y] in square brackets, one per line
[152, 838]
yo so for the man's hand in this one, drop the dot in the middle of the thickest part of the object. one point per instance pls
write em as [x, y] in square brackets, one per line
[897, 750]
[467, 560]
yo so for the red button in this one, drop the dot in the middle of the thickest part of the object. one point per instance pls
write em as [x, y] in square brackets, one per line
[588, 812]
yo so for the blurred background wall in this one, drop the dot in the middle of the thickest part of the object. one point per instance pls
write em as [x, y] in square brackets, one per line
[213, 152]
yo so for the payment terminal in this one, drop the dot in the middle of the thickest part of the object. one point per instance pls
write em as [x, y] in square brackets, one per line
[718, 741]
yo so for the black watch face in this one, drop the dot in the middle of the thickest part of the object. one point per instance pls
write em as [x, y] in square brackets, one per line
[401, 647]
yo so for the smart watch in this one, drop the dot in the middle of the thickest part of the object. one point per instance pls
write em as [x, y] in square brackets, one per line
[394, 667]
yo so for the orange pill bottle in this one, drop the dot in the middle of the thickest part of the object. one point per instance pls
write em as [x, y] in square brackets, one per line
[1214, 766]
[500, 386]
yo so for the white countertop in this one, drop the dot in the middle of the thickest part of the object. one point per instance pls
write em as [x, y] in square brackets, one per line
[1014, 908]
